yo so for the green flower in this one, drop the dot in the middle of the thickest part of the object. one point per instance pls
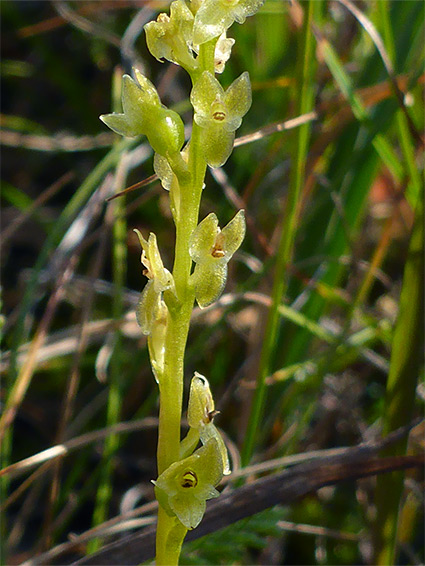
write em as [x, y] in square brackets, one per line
[211, 250]
[170, 37]
[144, 114]
[200, 415]
[219, 113]
[150, 306]
[184, 487]
[216, 16]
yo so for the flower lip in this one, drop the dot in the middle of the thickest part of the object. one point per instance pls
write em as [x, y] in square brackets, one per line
[189, 479]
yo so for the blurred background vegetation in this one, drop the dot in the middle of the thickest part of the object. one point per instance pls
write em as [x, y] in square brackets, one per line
[331, 207]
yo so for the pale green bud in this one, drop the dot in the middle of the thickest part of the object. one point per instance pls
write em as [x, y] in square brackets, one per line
[213, 17]
[144, 114]
[219, 113]
[184, 487]
[201, 408]
[211, 249]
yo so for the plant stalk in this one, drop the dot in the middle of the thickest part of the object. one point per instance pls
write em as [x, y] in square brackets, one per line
[170, 532]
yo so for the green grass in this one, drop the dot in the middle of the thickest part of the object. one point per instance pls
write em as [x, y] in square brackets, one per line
[317, 343]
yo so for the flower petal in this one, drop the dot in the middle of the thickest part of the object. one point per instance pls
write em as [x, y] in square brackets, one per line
[209, 279]
[188, 509]
[182, 19]
[203, 238]
[162, 277]
[118, 123]
[156, 39]
[217, 144]
[156, 340]
[211, 20]
[223, 50]
[209, 467]
[150, 94]
[238, 96]
[201, 403]
[147, 307]
[232, 235]
[133, 103]
[210, 431]
[163, 169]
[206, 90]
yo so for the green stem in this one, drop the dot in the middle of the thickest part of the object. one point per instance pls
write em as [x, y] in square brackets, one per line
[405, 367]
[170, 532]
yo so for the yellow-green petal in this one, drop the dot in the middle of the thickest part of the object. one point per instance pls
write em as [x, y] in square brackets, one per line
[118, 123]
[238, 97]
[203, 237]
[232, 235]
[206, 90]
[147, 307]
[209, 279]
[217, 144]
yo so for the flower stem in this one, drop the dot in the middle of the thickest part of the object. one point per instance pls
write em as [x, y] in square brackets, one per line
[170, 532]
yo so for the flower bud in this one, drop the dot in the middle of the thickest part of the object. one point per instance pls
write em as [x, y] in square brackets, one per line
[144, 114]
